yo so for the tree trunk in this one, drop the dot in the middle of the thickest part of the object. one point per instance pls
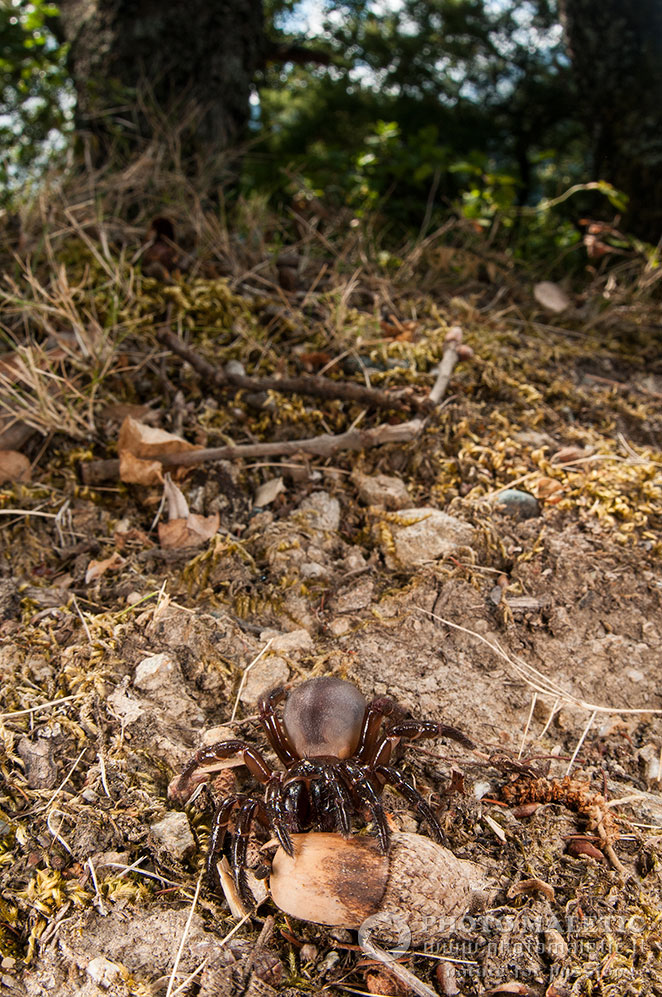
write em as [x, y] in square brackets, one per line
[616, 52]
[141, 67]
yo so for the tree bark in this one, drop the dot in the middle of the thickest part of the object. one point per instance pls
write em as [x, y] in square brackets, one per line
[616, 52]
[144, 66]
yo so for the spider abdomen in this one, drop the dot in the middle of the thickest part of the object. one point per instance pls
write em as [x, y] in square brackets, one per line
[324, 716]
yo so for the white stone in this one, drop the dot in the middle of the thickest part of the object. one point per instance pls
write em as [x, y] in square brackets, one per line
[156, 671]
[296, 640]
[382, 490]
[102, 971]
[322, 511]
[125, 709]
[266, 674]
[424, 535]
[174, 832]
[651, 754]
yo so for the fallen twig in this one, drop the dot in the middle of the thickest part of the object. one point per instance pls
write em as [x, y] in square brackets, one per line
[97, 471]
[318, 387]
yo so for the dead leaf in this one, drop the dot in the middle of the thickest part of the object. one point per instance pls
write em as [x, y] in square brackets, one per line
[393, 328]
[14, 466]
[184, 528]
[176, 500]
[580, 846]
[551, 296]
[267, 492]
[149, 441]
[148, 444]
[549, 490]
[96, 569]
[135, 471]
[568, 454]
[531, 886]
[512, 987]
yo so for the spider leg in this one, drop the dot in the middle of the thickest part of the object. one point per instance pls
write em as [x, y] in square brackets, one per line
[411, 794]
[240, 846]
[342, 803]
[360, 785]
[376, 711]
[217, 837]
[208, 760]
[273, 803]
[415, 729]
[278, 738]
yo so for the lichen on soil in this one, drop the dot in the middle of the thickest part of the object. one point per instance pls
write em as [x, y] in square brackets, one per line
[520, 635]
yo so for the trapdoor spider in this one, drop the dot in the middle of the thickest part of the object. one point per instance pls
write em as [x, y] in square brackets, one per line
[336, 756]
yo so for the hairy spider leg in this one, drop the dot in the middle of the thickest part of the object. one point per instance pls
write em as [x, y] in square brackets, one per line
[205, 761]
[411, 794]
[276, 733]
[358, 782]
[376, 711]
[342, 802]
[273, 802]
[242, 830]
[217, 836]
[413, 730]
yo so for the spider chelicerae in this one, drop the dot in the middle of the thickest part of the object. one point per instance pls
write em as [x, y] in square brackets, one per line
[336, 750]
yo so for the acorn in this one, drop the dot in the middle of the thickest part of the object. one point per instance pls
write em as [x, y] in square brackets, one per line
[419, 886]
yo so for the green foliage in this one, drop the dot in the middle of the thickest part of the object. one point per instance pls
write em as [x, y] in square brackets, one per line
[417, 91]
[34, 89]
[428, 107]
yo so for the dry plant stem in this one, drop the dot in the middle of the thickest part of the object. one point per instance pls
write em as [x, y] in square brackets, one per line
[97, 471]
[446, 368]
[318, 387]
[401, 972]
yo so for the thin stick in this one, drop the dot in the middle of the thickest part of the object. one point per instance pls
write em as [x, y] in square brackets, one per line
[56, 834]
[549, 719]
[102, 769]
[403, 974]
[101, 907]
[182, 941]
[581, 741]
[143, 872]
[528, 724]
[28, 512]
[326, 445]
[182, 986]
[318, 387]
[65, 780]
[82, 620]
[36, 709]
[96, 471]
[246, 671]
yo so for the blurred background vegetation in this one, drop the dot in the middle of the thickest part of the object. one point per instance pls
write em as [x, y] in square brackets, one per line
[529, 119]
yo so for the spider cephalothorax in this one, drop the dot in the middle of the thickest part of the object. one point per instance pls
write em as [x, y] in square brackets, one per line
[337, 759]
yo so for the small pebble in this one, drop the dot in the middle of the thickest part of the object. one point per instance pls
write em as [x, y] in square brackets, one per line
[555, 945]
[174, 833]
[156, 671]
[524, 505]
[102, 971]
[308, 952]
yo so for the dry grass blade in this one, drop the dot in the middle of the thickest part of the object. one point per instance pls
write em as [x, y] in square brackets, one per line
[534, 678]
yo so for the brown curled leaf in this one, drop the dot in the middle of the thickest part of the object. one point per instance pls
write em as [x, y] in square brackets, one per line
[531, 886]
[580, 846]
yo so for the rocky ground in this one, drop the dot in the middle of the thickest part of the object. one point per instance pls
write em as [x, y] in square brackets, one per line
[532, 622]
